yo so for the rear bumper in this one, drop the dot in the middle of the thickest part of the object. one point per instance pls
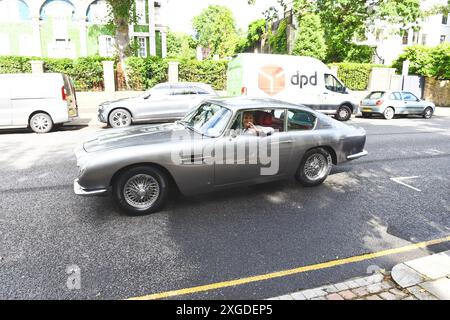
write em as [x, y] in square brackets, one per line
[79, 190]
[357, 155]
[371, 109]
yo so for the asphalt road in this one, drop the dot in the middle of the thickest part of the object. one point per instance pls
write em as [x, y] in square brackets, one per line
[212, 238]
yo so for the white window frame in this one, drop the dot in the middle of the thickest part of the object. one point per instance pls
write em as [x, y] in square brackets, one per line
[106, 46]
[141, 12]
[143, 50]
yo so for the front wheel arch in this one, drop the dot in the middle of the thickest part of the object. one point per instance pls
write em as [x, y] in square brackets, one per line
[168, 175]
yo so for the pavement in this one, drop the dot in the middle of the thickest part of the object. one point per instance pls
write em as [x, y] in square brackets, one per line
[426, 278]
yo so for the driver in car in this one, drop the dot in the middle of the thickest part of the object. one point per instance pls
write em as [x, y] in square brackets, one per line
[251, 128]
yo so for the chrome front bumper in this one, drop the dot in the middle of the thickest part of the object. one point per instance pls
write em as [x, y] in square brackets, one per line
[357, 155]
[79, 190]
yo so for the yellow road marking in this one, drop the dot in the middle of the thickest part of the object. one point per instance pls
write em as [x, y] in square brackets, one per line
[323, 265]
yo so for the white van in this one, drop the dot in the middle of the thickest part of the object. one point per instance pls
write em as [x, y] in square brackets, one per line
[38, 101]
[295, 79]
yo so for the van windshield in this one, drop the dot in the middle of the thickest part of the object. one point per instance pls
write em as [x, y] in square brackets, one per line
[375, 95]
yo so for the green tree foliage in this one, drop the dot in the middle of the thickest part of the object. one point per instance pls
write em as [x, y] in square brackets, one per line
[181, 45]
[310, 39]
[256, 32]
[345, 20]
[426, 61]
[278, 40]
[215, 28]
[359, 53]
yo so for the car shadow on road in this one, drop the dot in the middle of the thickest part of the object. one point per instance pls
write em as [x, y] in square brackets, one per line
[29, 131]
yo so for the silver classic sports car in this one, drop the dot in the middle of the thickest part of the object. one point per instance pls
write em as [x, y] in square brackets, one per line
[223, 142]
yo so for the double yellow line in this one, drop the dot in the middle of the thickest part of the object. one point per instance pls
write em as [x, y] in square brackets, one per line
[323, 265]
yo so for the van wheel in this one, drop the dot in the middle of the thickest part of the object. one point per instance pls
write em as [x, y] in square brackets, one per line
[343, 113]
[314, 167]
[41, 123]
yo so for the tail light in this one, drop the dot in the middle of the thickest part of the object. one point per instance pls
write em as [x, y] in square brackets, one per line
[63, 93]
[379, 102]
[244, 91]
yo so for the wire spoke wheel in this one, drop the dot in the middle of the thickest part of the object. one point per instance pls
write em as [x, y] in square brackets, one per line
[316, 167]
[141, 191]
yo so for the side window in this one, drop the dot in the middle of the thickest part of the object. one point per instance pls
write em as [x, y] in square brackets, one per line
[200, 90]
[268, 118]
[183, 90]
[395, 96]
[300, 120]
[408, 96]
[159, 91]
[333, 84]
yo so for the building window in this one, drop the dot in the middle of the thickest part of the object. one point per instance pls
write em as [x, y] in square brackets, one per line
[106, 46]
[415, 39]
[98, 12]
[140, 11]
[379, 34]
[142, 47]
[444, 19]
[405, 37]
[442, 39]
[57, 8]
[424, 39]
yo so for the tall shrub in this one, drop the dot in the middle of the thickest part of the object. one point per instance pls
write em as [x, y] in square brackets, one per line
[144, 73]
[310, 39]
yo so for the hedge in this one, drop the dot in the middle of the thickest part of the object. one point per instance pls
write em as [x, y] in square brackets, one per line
[14, 64]
[207, 71]
[86, 72]
[426, 61]
[355, 75]
[144, 73]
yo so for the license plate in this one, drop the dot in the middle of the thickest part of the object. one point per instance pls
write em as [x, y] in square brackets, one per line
[366, 109]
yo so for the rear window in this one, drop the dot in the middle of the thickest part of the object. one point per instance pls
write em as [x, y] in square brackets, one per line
[67, 85]
[203, 90]
[375, 95]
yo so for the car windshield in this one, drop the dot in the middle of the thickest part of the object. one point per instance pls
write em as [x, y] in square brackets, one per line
[208, 119]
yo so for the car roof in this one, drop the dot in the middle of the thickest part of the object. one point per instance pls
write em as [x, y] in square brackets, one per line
[184, 83]
[238, 103]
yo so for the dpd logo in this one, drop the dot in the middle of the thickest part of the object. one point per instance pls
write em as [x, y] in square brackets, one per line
[271, 79]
